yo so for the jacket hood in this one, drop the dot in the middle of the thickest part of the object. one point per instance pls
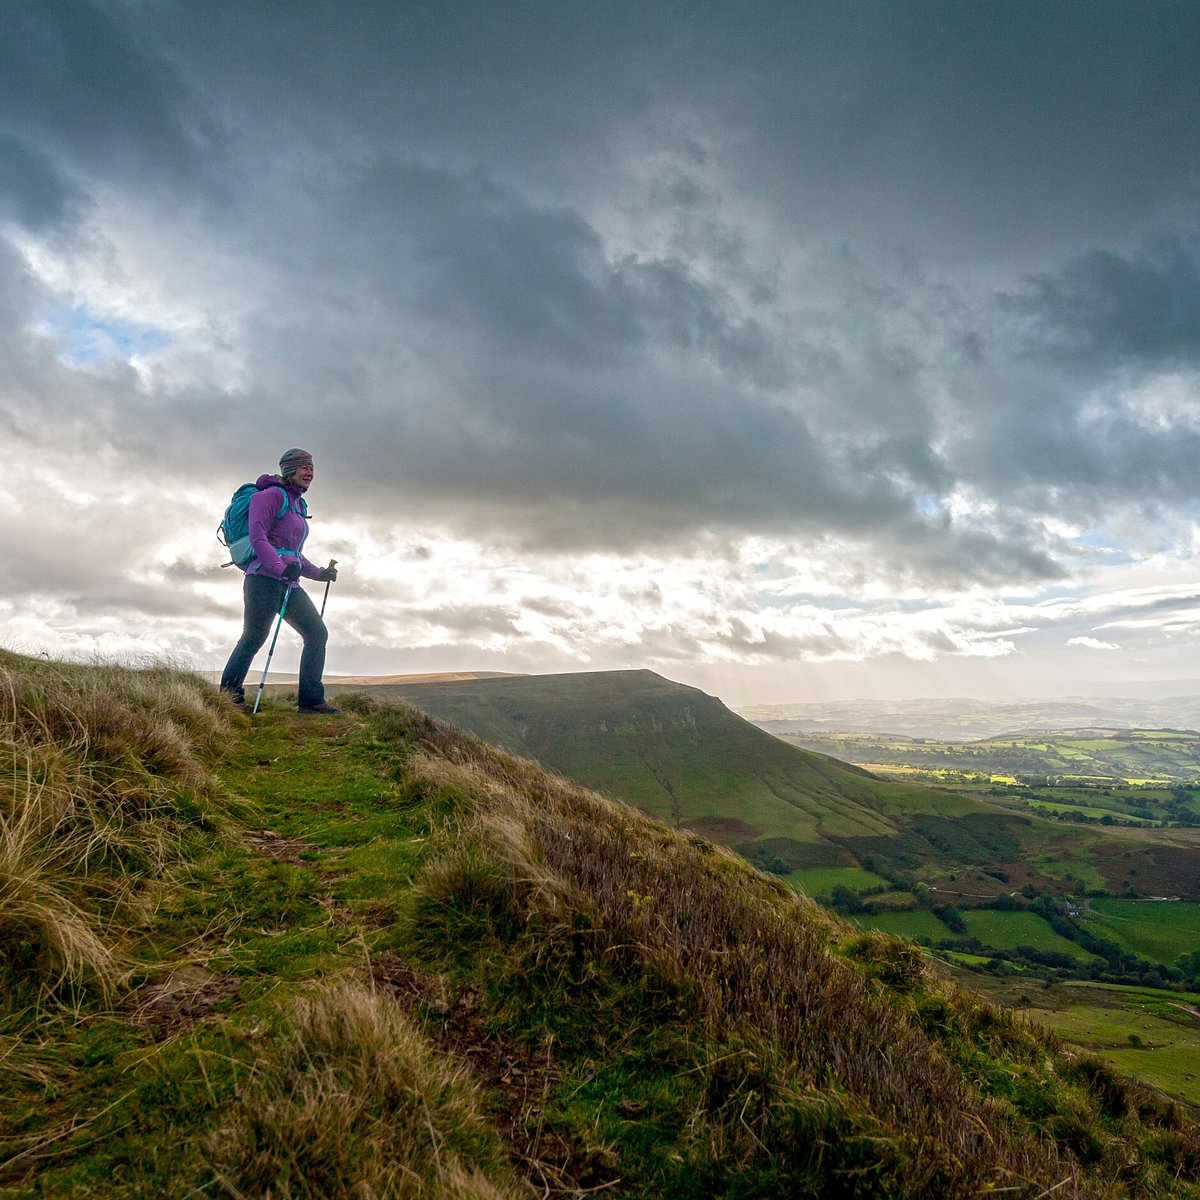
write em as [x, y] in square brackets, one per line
[266, 481]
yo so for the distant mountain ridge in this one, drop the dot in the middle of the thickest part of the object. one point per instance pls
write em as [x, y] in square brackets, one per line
[285, 678]
[964, 718]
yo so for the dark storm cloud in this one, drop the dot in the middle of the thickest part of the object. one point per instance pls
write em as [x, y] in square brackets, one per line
[1108, 308]
[605, 275]
[988, 555]
[1076, 439]
[510, 85]
[625, 398]
[528, 281]
[991, 130]
[33, 190]
[75, 80]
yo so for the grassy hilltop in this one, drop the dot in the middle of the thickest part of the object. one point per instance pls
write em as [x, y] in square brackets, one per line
[373, 956]
[672, 750]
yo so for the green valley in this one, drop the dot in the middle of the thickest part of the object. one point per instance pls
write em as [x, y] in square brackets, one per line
[980, 875]
[683, 757]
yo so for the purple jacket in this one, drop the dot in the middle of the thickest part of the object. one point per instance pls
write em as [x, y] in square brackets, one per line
[268, 536]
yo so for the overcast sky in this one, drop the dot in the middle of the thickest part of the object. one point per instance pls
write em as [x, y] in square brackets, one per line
[794, 350]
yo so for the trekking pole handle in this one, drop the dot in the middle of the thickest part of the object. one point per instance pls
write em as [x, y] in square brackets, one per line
[324, 599]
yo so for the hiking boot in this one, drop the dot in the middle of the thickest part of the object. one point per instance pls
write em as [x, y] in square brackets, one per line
[248, 709]
[324, 707]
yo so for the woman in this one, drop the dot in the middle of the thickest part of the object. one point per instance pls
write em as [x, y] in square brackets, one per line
[278, 527]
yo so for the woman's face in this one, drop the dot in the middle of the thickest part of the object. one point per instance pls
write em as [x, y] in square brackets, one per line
[302, 476]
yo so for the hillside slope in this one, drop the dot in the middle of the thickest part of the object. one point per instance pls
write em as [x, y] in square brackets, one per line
[383, 958]
[673, 751]
[683, 757]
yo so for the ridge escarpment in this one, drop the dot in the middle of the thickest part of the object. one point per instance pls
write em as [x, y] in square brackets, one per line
[670, 749]
[415, 965]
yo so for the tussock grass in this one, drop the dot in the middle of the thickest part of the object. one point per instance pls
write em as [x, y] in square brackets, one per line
[828, 1060]
[102, 785]
[352, 1102]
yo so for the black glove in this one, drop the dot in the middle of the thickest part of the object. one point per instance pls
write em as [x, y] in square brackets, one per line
[328, 575]
[292, 572]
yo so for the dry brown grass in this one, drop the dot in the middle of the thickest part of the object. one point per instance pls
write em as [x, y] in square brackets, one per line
[101, 779]
[353, 1103]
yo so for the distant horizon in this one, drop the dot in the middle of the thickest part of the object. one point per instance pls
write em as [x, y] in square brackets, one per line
[1186, 688]
[940, 717]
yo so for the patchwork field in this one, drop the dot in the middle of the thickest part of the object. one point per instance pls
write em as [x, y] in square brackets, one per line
[820, 881]
[1138, 756]
[916, 923]
[1158, 930]
[1008, 930]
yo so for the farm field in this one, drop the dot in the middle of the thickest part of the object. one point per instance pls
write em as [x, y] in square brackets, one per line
[1068, 869]
[1060, 808]
[1008, 930]
[997, 930]
[820, 881]
[1158, 930]
[1148, 1034]
[965, 959]
[1139, 776]
[916, 923]
[1152, 1036]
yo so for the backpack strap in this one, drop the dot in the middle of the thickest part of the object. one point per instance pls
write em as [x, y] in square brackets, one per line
[287, 503]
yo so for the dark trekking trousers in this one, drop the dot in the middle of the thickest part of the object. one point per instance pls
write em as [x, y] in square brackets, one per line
[264, 596]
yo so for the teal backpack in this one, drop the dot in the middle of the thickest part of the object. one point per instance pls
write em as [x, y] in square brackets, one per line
[234, 530]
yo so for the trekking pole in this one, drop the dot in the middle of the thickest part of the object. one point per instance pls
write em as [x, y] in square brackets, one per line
[332, 564]
[263, 684]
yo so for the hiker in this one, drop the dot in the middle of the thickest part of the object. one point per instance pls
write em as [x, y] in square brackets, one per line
[278, 525]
